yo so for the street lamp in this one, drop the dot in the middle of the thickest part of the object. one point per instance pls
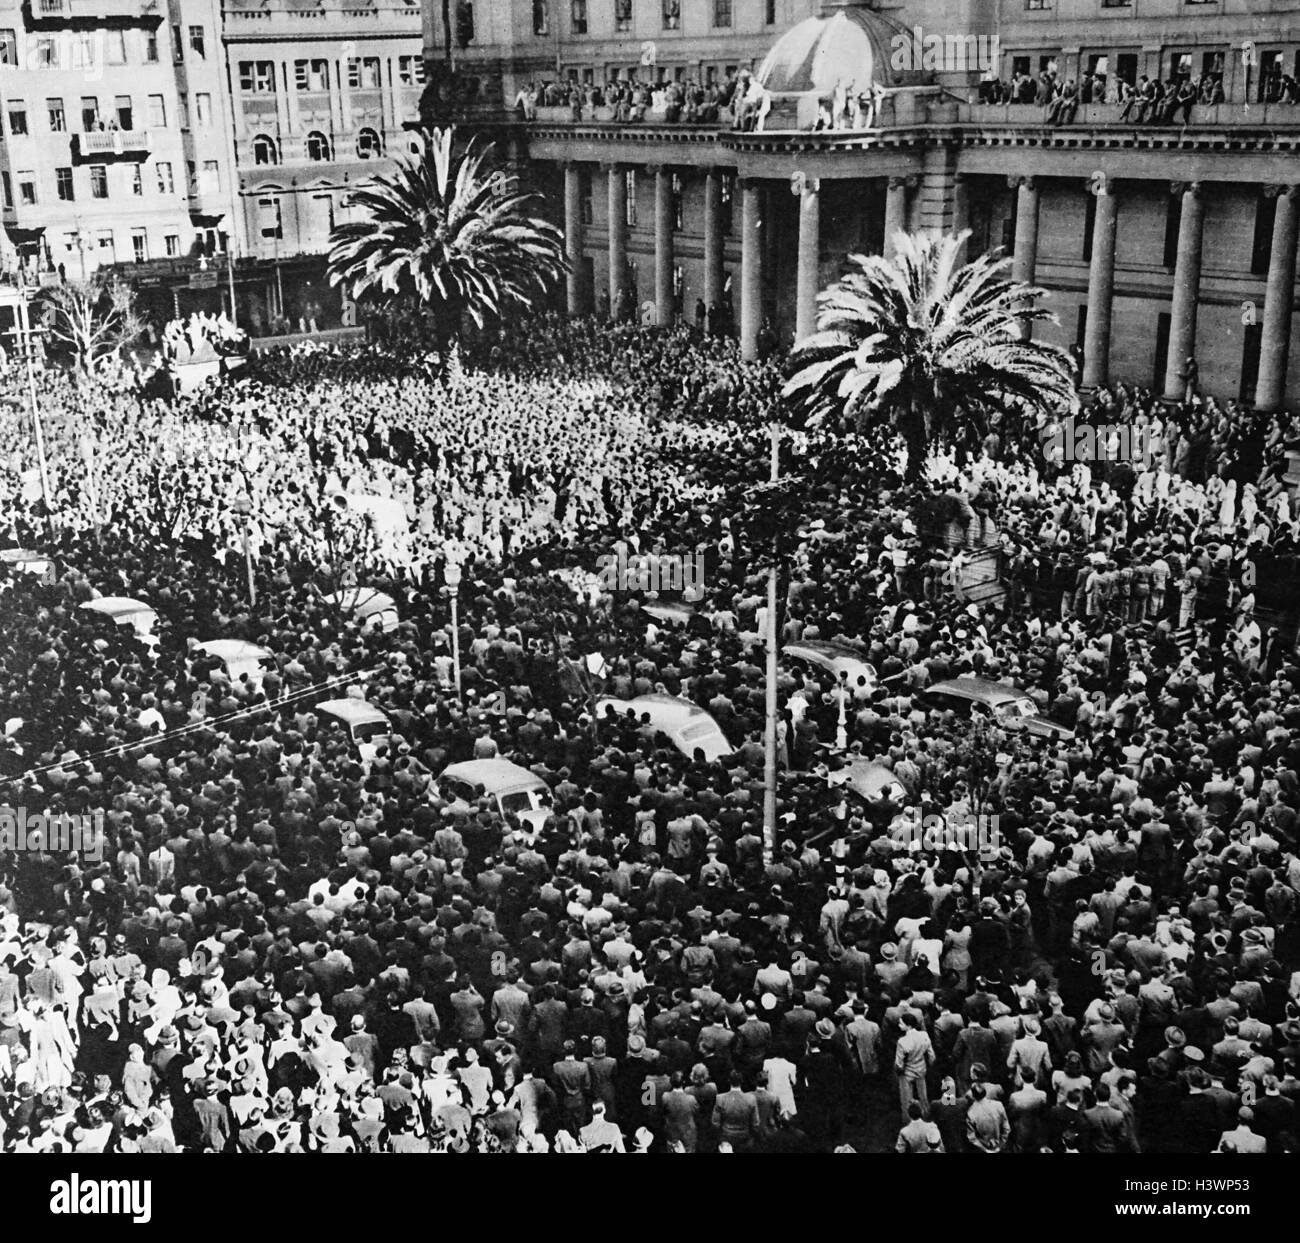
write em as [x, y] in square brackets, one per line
[842, 725]
[24, 341]
[453, 576]
[229, 247]
[243, 506]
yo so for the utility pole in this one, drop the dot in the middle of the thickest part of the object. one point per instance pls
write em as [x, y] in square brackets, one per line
[230, 277]
[769, 742]
[24, 339]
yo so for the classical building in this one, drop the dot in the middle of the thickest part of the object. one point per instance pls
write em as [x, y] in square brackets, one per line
[321, 96]
[116, 132]
[1156, 242]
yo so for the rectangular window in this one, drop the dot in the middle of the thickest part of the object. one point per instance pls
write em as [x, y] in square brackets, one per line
[311, 75]
[46, 53]
[27, 189]
[125, 112]
[1173, 222]
[172, 245]
[541, 17]
[622, 14]
[140, 245]
[1163, 320]
[579, 17]
[722, 14]
[99, 181]
[114, 47]
[1089, 224]
[157, 112]
[1116, 4]
[1268, 87]
[769, 13]
[203, 109]
[1261, 246]
[257, 77]
[363, 73]
[1036, 4]
[191, 177]
[89, 113]
[268, 213]
[210, 181]
[17, 117]
[1081, 328]
[166, 183]
[325, 206]
[183, 109]
[151, 48]
[63, 183]
[410, 70]
[137, 181]
[1250, 347]
[58, 121]
[672, 14]
[631, 196]
[197, 44]
[8, 189]
[8, 47]
[178, 47]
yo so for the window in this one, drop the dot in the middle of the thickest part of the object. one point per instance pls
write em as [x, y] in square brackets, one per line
[1250, 347]
[166, 182]
[191, 177]
[183, 109]
[325, 206]
[63, 184]
[178, 48]
[541, 17]
[8, 47]
[196, 42]
[17, 117]
[126, 113]
[99, 181]
[268, 212]
[27, 189]
[151, 48]
[114, 47]
[46, 54]
[203, 109]
[89, 113]
[363, 73]
[137, 181]
[58, 122]
[8, 189]
[105, 248]
[1270, 76]
[672, 14]
[769, 13]
[1089, 225]
[311, 75]
[210, 178]
[369, 146]
[1116, 4]
[140, 245]
[1037, 4]
[172, 245]
[677, 203]
[728, 197]
[410, 70]
[257, 77]
[318, 146]
[721, 14]
[622, 14]
[157, 112]
[631, 196]
[264, 151]
[1262, 243]
[1173, 223]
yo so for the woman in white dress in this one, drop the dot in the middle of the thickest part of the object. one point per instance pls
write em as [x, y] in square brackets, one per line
[51, 1047]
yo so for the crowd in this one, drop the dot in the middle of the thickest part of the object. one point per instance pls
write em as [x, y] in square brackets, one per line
[1148, 101]
[290, 946]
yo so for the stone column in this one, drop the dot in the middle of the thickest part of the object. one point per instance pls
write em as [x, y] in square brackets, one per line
[961, 212]
[573, 236]
[751, 268]
[665, 305]
[895, 211]
[1187, 284]
[808, 280]
[713, 274]
[1025, 258]
[616, 177]
[1278, 297]
[1101, 285]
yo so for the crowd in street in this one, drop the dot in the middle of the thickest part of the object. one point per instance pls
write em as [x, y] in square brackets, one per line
[291, 945]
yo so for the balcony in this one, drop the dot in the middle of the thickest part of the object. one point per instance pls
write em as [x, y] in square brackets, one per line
[113, 143]
[70, 10]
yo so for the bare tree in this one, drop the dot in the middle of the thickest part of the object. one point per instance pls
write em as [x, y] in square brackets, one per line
[91, 320]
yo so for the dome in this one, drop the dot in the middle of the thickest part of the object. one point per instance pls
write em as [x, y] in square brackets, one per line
[844, 45]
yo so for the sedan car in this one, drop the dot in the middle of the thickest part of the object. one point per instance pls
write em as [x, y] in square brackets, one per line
[837, 659]
[367, 726]
[512, 788]
[686, 725]
[1009, 706]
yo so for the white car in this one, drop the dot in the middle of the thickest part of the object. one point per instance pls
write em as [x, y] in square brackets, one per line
[366, 724]
[686, 725]
[367, 606]
[127, 612]
[834, 658]
[239, 658]
[512, 788]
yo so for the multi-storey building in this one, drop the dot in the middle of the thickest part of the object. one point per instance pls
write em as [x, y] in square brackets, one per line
[1156, 242]
[116, 142]
[321, 96]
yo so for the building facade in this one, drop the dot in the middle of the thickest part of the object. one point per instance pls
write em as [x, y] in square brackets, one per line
[1156, 242]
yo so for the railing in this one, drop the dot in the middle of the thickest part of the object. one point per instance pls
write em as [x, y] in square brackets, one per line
[113, 142]
[44, 10]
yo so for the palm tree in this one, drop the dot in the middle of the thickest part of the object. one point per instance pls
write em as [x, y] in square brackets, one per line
[446, 233]
[928, 347]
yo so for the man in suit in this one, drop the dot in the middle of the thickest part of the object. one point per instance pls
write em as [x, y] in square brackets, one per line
[1108, 1129]
[1243, 1139]
[735, 1117]
[572, 1080]
[987, 1127]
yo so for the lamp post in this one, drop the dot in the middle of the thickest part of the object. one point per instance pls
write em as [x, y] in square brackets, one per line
[230, 275]
[244, 507]
[24, 341]
[453, 587]
[841, 724]
[769, 740]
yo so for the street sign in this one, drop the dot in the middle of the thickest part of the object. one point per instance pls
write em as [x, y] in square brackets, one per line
[203, 280]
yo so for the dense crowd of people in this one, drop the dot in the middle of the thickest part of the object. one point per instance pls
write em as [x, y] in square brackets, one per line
[289, 944]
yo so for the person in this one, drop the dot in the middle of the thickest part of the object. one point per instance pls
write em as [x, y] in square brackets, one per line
[913, 1058]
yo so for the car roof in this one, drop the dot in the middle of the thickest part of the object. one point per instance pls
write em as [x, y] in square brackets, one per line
[496, 776]
[114, 605]
[353, 711]
[232, 649]
[827, 647]
[980, 688]
[363, 600]
[667, 708]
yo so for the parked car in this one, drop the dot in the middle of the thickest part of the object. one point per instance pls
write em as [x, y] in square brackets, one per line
[834, 658]
[367, 606]
[125, 611]
[686, 725]
[239, 658]
[512, 788]
[25, 561]
[1009, 706]
[367, 725]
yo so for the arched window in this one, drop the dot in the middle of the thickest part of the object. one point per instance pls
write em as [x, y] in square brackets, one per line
[264, 150]
[369, 146]
[318, 146]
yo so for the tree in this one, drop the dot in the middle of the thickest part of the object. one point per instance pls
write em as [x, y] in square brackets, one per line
[927, 347]
[447, 234]
[91, 320]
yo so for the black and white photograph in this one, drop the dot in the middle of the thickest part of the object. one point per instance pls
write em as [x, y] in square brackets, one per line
[650, 576]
